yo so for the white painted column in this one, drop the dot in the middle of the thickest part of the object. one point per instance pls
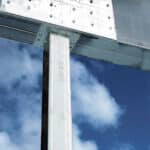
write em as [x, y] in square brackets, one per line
[59, 120]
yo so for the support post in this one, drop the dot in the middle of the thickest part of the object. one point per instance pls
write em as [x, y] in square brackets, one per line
[59, 112]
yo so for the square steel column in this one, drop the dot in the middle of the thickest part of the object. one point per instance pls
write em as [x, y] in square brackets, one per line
[59, 112]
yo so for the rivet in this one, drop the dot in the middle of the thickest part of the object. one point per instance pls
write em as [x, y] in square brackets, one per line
[73, 21]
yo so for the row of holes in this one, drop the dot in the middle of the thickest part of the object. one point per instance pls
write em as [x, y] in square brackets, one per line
[91, 1]
[51, 4]
[74, 21]
[73, 9]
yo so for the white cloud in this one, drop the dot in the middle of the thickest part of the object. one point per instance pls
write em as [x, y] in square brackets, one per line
[6, 143]
[78, 144]
[30, 118]
[124, 146]
[31, 142]
[28, 137]
[21, 127]
[18, 64]
[92, 99]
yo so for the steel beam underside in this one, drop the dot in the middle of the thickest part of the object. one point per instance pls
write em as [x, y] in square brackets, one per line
[18, 29]
[97, 48]
[125, 21]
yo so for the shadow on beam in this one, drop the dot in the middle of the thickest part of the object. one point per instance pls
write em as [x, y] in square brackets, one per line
[18, 29]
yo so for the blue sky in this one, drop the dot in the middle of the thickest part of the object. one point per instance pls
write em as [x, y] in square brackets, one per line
[110, 103]
[126, 122]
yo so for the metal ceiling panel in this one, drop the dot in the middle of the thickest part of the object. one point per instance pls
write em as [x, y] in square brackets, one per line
[123, 20]
[132, 22]
[94, 17]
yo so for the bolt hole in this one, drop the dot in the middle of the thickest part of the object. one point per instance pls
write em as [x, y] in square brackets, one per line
[73, 21]
[109, 17]
[91, 12]
[8, 2]
[110, 28]
[51, 4]
[74, 9]
[51, 16]
[92, 24]
[28, 7]
[107, 5]
[91, 1]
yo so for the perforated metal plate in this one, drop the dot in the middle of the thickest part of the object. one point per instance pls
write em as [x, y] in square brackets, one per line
[91, 16]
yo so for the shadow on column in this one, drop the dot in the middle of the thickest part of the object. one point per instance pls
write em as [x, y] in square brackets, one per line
[44, 134]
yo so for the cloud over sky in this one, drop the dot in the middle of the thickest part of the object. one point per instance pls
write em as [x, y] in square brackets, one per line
[78, 144]
[123, 146]
[19, 61]
[20, 96]
[92, 99]
[6, 143]
[20, 93]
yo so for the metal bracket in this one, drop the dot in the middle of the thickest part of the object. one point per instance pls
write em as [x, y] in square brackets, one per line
[42, 36]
